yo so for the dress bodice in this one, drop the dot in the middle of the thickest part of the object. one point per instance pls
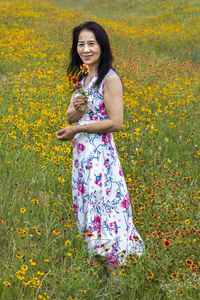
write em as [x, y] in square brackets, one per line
[95, 110]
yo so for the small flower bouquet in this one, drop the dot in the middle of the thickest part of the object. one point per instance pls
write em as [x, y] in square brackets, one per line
[77, 86]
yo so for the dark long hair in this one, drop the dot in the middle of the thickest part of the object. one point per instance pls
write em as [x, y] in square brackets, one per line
[106, 57]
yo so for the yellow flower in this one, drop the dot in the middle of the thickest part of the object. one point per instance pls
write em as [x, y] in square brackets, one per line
[24, 267]
[7, 283]
[60, 179]
[22, 210]
[20, 256]
[35, 201]
[68, 243]
[56, 232]
[40, 273]
[187, 222]
[32, 262]
[38, 232]
[26, 282]
[20, 275]
[69, 254]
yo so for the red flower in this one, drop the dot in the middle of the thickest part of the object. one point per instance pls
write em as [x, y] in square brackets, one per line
[74, 80]
[189, 262]
[173, 275]
[167, 243]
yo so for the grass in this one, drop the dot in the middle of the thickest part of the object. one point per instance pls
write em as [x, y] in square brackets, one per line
[156, 51]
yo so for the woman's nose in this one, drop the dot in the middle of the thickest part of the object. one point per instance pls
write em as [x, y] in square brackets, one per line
[85, 48]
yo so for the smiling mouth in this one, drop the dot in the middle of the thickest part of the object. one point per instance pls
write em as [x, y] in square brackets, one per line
[87, 56]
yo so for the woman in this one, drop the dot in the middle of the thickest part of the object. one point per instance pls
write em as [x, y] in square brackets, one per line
[100, 197]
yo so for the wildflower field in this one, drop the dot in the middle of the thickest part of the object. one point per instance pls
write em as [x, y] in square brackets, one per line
[157, 54]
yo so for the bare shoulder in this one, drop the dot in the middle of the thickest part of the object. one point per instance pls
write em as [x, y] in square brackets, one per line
[113, 80]
[112, 77]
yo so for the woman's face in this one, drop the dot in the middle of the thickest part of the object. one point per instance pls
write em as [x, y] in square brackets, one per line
[88, 49]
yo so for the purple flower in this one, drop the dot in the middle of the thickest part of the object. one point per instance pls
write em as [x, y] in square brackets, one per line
[97, 224]
[81, 187]
[106, 138]
[102, 109]
[80, 148]
[126, 202]
[120, 172]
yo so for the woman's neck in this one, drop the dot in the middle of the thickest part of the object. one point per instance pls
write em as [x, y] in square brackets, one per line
[92, 71]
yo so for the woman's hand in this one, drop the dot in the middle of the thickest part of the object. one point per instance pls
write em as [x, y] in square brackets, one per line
[76, 108]
[66, 134]
[79, 102]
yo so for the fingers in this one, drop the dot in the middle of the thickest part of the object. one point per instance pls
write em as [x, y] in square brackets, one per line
[60, 134]
[66, 133]
[80, 97]
[78, 102]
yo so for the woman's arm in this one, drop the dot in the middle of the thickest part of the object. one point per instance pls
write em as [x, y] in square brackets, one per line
[76, 108]
[113, 100]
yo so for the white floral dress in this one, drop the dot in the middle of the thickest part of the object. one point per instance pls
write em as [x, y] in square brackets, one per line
[100, 197]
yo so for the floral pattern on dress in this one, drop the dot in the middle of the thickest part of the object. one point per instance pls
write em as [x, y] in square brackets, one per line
[101, 202]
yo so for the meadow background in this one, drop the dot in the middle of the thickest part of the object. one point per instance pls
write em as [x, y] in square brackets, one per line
[157, 54]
